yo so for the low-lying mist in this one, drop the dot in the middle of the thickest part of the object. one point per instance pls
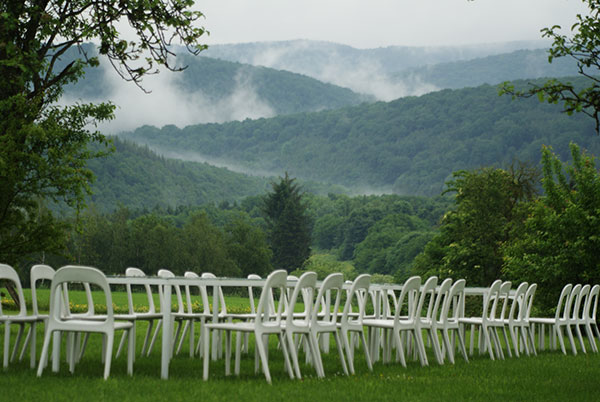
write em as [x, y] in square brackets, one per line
[166, 103]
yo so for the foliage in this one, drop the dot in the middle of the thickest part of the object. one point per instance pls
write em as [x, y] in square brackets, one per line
[138, 178]
[152, 241]
[584, 47]
[288, 225]
[471, 236]
[559, 241]
[408, 146]
[325, 264]
[43, 146]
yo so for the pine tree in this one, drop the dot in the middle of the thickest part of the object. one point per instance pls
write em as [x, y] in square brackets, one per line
[289, 226]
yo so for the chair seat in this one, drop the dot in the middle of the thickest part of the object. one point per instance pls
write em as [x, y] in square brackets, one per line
[471, 320]
[541, 320]
[382, 323]
[19, 318]
[242, 326]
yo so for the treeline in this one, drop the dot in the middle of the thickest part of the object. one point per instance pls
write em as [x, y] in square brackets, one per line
[376, 234]
[411, 145]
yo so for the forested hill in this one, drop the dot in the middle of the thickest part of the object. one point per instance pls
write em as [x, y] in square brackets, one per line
[208, 82]
[411, 145]
[137, 178]
[521, 64]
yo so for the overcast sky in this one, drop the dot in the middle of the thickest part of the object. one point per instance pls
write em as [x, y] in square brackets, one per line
[377, 23]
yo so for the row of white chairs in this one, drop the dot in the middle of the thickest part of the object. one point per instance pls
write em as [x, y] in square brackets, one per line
[397, 322]
[576, 308]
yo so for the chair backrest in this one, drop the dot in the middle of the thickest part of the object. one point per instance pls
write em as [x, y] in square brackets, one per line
[428, 289]
[165, 273]
[138, 273]
[455, 299]
[410, 289]
[305, 286]
[275, 280]
[490, 301]
[437, 314]
[562, 306]
[333, 282]
[592, 304]
[78, 274]
[519, 301]
[529, 301]
[202, 291]
[38, 273]
[8, 273]
[572, 302]
[251, 293]
[583, 300]
[502, 302]
[360, 284]
[210, 275]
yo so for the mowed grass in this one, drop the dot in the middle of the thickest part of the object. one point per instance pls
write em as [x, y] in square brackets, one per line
[548, 376]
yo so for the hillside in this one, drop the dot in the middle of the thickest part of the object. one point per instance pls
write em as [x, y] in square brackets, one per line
[368, 71]
[411, 145]
[207, 90]
[136, 177]
[520, 64]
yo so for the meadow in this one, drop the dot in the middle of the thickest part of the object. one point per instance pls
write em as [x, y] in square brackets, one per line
[548, 376]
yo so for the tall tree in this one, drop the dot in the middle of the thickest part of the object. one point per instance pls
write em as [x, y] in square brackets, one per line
[559, 241]
[488, 204]
[43, 146]
[584, 47]
[289, 226]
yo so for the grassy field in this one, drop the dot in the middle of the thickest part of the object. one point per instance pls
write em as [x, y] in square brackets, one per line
[548, 376]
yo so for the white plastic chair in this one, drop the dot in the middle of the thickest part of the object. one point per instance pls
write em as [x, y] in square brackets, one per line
[7, 273]
[264, 325]
[560, 320]
[513, 320]
[576, 318]
[349, 324]
[322, 325]
[200, 317]
[293, 325]
[430, 321]
[150, 316]
[107, 326]
[399, 324]
[450, 319]
[487, 334]
[589, 316]
[38, 272]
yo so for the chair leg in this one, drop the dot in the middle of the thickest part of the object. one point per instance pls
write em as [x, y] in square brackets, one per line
[349, 355]
[6, 343]
[340, 348]
[293, 353]
[286, 356]
[238, 351]
[399, 348]
[154, 336]
[506, 341]
[263, 356]
[33, 347]
[590, 336]
[580, 336]
[131, 350]
[367, 354]
[316, 354]
[108, 353]
[17, 342]
[571, 339]
[26, 341]
[121, 344]
[56, 343]
[206, 353]
[447, 344]
[461, 341]
[227, 352]
[147, 337]
[44, 357]
[558, 334]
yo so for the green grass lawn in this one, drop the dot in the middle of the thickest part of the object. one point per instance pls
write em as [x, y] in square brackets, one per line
[548, 376]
